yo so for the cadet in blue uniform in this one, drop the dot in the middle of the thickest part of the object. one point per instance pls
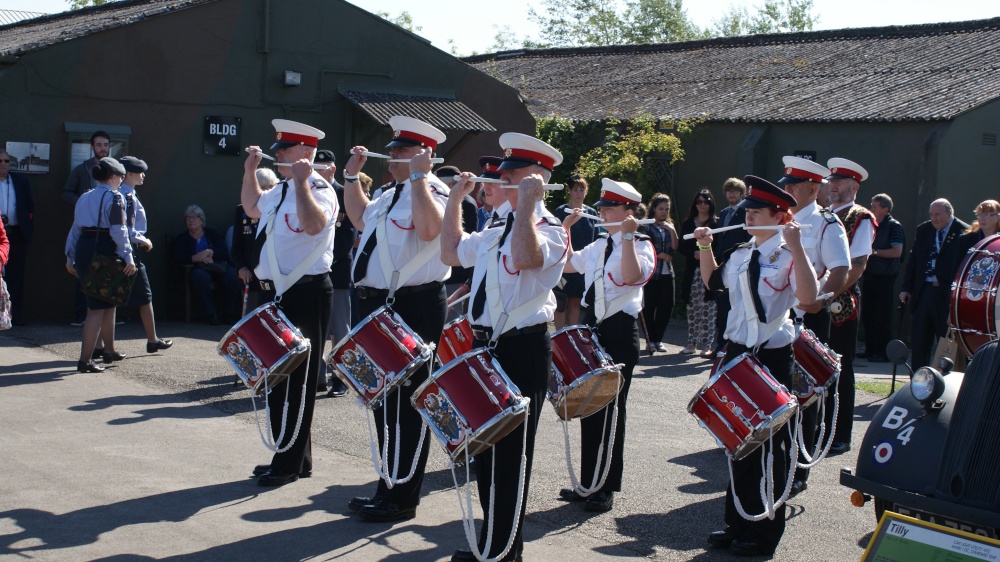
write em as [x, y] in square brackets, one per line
[135, 219]
[99, 228]
[775, 270]
[626, 261]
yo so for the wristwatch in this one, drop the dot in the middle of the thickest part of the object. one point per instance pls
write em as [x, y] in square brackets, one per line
[628, 236]
[417, 176]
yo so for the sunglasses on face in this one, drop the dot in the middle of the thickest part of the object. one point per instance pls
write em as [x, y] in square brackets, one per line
[4, 161]
[702, 202]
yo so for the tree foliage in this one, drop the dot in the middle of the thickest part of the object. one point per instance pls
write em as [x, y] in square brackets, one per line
[77, 4]
[580, 23]
[404, 20]
[620, 150]
[773, 16]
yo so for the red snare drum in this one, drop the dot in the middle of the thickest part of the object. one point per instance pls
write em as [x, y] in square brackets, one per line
[470, 404]
[456, 339]
[816, 366]
[741, 404]
[378, 355]
[584, 379]
[264, 346]
[974, 304]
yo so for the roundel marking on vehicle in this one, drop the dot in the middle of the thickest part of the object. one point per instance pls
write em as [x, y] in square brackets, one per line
[883, 452]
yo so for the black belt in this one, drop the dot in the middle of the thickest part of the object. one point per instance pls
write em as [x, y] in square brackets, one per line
[268, 285]
[373, 293]
[483, 333]
[96, 231]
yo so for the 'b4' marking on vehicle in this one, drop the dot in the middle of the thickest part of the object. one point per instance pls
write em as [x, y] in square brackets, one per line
[895, 421]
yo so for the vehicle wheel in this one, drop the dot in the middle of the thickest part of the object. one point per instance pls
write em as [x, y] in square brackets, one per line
[880, 507]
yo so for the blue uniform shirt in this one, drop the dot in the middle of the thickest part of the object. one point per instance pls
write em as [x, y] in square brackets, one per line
[100, 207]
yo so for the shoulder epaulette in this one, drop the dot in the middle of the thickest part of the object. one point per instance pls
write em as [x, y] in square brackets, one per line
[829, 215]
[318, 183]
[639, 236]
[551, 220]
[603, 234]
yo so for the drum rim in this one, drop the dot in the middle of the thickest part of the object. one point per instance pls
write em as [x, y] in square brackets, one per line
[384, 308]
[475, 351]
[253, 313]
[783, 414]
[567, 388]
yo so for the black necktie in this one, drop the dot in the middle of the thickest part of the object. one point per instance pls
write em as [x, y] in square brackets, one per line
[129, 211]
[479, 303]
[754, 272]
[591, 295]
[361, 263]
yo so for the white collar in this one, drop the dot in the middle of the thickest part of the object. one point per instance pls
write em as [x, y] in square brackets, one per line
[806, 211]
[844, 206]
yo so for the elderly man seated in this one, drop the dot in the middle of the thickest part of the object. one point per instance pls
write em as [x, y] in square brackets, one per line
[205, 249]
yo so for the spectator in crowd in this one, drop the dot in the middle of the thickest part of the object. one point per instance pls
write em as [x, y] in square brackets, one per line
[735, 190]
[460, 276]
[17, 209]
[245, 252]
[80, 181]
[927, 280]
[658, 293]
[700, 302]
[985, 225]
[99, 228]
[879, 279]
[581, 234]
[205, 249]
[366, 182]
[344, 234]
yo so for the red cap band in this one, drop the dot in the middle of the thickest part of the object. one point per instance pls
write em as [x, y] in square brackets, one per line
[612, 196]
[845, 172]
[544, 161]
[411, 136]
[292, 137]
[797, 173]
[762, 195]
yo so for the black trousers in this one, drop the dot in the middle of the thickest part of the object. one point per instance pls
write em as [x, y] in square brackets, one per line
[306, 306]
[13, 272]
[843, 340]
[929, 321]
[658, 299]
[526, 359]
[877, 312]
[424, 313]
[819, 323]
[747, 471]
[619, 335]
[722, 308]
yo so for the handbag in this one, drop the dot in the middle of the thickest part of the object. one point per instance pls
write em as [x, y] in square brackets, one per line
[5, 314]
[106, 281]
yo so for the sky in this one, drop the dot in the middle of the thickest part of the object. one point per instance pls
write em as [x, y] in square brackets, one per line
[470, 24]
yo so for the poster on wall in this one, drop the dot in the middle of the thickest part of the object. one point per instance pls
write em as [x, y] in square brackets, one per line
[28, 157]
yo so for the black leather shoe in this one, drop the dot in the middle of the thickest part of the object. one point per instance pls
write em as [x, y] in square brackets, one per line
[570, 495]
[838, 448]
[798, 486]
[746, 547]
[601, 501]
[114, 356]
[721, 539]
[86, 367]
[357, 502]
[274, 478]
[97, 354]
[337, 392]
[386, 512]
[264, 468]
[467, 556]
[158, 345]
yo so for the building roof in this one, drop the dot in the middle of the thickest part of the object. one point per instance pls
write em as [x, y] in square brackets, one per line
[11, 16]
[29, 35]
[903, 73]
[443, 113]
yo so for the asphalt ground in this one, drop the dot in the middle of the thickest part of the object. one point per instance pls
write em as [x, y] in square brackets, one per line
[152, 460]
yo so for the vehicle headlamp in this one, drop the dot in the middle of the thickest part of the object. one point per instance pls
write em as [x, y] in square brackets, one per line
[927, 385]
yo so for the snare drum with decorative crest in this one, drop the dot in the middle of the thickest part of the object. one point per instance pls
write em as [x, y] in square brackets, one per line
[584, 378]
[264, 347]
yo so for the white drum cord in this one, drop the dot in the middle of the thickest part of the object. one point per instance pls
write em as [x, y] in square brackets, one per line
[595, 485]
[767, 480]
[817, 454]
[272, 445]
[381, 464]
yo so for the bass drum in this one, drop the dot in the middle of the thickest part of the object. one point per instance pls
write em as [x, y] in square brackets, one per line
[974, 305]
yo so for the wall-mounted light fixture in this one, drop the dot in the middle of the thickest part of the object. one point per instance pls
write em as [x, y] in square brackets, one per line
[293, 78]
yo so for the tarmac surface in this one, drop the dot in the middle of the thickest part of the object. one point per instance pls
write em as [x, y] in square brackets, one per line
[152, 460]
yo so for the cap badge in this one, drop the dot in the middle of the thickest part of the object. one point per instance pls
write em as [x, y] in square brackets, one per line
[278, 137]
[834, 170]
[788, 170]
[395, 133]
[775, 256]
[508, 152]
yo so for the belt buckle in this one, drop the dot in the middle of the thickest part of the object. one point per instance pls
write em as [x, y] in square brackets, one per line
[362, 292]
[266, 285]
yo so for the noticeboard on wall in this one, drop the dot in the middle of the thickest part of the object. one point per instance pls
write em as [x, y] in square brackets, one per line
[899, 538]
[222, 135]
[28, 157]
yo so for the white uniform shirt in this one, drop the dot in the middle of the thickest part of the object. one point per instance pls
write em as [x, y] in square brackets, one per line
[404, 243]
[825, 243]
[864, 235]
[292, 243]
[776, 290]
[590, 259]
[516, 287]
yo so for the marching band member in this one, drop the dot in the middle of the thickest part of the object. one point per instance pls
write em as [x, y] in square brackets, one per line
[530, 253]
[99, 228]
[826, 245]
[626, 260]
[297, 217]
[774, 270]
[411, 212]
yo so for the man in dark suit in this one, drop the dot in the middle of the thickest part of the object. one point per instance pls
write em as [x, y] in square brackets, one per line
[927, 281]
[18, 211]
[735, 190]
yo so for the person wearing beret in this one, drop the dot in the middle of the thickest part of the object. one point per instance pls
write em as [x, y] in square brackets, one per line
[17, 208]
[775, 271]
[409, 213]
[297, 225]
[135, 219]
[99, 228]
[615, 268]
